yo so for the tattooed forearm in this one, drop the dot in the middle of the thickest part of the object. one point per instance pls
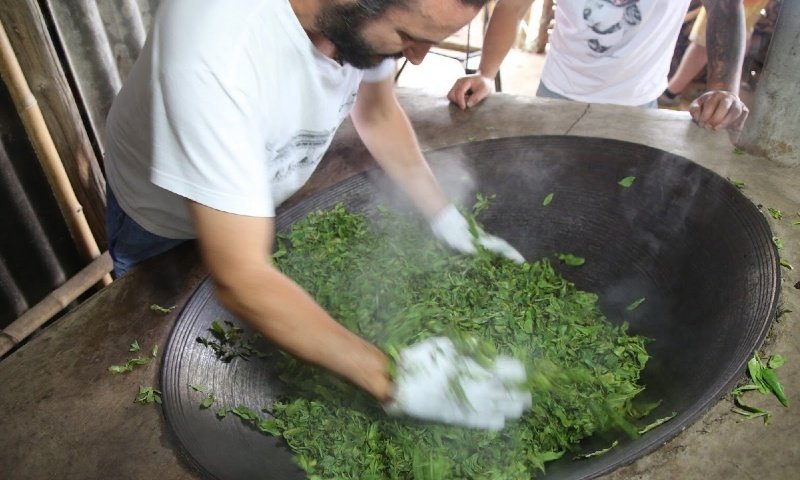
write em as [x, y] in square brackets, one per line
[725, 44]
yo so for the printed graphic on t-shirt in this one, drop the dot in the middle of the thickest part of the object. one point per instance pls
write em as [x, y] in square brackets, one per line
[303, 152]
[609, 21]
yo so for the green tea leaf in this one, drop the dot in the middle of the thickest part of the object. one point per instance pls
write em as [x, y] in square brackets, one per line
[133, 362]
[626, 182]
[129, 366]
[750, 413]
[598, 452]
[775, 213]
[269, 426]
[548, 199]
[764, 377]
[635, 304]
[229, 342]
[770, 378]
[755, 368]
[777, 242]
[148, 395]
[657, 423]
[785, 264]
[161, 310]
[570, 259]
[245, 413]
[218, 329]
[737, 183]
[775, 361]
[208, 401]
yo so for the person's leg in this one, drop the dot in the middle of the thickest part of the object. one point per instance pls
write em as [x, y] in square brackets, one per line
[128, 242]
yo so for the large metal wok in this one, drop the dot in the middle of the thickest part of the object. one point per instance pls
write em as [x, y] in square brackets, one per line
[681, 236]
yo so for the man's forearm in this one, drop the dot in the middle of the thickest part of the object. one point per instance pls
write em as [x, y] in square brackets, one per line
[235, 249]
[389, 137]
[725, 44]
[289, 317]
[501, 33]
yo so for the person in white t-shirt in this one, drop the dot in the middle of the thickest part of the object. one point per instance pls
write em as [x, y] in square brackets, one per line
[619, 52]
[227, 112]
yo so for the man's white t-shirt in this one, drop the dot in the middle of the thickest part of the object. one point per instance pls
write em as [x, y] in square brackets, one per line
[229, 105]
[612, 51]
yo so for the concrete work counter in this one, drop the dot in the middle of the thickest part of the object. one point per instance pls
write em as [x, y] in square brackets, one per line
[65, 416]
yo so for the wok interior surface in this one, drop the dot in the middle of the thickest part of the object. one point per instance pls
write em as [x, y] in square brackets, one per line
[681, 236]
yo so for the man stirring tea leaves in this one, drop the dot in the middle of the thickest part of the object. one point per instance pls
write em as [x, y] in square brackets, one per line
[227, 112]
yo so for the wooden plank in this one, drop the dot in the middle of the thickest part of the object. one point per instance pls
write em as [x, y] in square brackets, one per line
[88, 56]
[29, 37]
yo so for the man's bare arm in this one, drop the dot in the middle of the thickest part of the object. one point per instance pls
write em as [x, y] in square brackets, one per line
[501, 32]
[720, 107]
[725, 44]
[388, 135]
[237, 251]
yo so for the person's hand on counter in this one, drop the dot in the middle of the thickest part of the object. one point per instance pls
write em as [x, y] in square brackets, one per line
[470, 90]
[718, 110]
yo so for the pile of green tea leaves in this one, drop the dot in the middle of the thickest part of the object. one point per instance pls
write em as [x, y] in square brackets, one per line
[387, 278]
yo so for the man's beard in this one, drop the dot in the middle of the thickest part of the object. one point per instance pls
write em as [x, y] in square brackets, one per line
[342, 25]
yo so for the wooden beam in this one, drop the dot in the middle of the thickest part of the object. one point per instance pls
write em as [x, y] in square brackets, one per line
[53, 303]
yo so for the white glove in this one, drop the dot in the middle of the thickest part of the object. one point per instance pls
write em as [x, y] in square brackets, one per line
[435, 382]
[452, 228]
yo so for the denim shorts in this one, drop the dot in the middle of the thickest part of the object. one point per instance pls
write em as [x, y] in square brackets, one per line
[545, 92]
[129, 243]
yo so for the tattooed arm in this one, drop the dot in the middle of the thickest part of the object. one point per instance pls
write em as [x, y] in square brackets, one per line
[720, 107]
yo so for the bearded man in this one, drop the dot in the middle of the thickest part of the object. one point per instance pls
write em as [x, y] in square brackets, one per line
[227, 112]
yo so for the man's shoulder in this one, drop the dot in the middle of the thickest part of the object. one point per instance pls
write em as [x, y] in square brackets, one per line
[224, 26]
[231, 39]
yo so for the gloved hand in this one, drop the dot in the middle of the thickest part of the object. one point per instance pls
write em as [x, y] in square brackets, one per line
[452, 228]
[435, 382]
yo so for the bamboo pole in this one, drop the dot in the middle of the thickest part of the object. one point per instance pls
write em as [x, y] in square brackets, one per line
[33, 41]
[37, 131]
[53, 303]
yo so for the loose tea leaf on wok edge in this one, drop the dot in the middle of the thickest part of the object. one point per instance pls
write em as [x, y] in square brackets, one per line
[389, 280]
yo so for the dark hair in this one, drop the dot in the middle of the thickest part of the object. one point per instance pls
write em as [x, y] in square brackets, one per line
[340, 23]
[376, 7]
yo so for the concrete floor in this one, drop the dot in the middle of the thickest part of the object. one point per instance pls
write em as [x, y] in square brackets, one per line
[519, 73]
